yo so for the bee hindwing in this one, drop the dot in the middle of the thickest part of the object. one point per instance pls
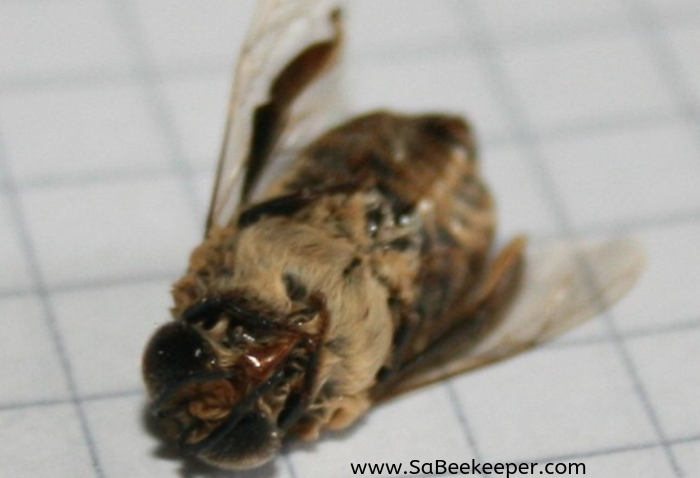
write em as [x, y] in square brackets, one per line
[562, 285]
[291, 45]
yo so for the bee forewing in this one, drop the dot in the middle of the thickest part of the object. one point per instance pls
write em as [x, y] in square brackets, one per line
[280, 31]
[564, 284]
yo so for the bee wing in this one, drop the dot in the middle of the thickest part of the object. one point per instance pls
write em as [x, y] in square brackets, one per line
[273, 110]
[562, 285]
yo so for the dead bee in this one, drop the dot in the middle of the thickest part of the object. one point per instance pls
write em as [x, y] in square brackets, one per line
[342, 269]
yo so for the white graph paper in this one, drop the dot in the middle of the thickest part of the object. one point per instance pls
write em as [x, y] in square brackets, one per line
[111, 114]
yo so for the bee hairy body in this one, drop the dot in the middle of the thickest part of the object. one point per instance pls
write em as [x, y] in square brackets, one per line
[383, 217]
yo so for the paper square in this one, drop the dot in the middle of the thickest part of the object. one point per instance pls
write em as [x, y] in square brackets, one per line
[76, 132]
[688, 457]
[204, 185]
[44, 441]
[16, 275]
[554, 402]
[521, 206]
[198, 107]
[588, 81]
[666, 295]
[668, 367]
[193, 34]
[109, 230]
[58, 39]
[625, 176]
[685, 43]
[673, 11]
[529, 19]
[405, 27]
[31, 367]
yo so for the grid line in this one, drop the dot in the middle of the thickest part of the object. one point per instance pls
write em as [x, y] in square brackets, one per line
[461, 414]
[83, 399]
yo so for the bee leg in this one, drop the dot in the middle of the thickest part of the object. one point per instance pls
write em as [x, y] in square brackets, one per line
[298, 402]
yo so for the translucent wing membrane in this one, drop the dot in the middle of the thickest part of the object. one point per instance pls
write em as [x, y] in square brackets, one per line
[291, 46]
[563, 285]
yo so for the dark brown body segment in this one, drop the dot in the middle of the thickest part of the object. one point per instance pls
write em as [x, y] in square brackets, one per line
[429, 231]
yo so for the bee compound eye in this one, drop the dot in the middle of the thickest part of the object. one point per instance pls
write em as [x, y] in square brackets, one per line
[176, 353]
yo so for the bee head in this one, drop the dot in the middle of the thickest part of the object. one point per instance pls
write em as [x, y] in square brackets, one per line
[221, 390]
